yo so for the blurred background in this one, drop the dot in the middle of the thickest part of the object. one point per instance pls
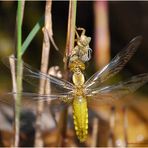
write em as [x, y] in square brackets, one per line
[120, 22]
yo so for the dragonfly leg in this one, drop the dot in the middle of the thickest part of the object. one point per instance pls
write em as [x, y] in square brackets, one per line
[66, 100]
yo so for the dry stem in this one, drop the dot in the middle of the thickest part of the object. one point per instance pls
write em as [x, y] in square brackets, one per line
[62, 126]
[44, 67]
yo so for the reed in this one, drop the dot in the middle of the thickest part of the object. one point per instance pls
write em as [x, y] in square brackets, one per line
[44, 68]
[62, 125]
[20, 12]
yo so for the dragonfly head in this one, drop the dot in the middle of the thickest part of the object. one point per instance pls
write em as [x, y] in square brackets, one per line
[76, 64]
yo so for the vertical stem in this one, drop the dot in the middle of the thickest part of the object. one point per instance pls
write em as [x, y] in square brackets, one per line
[44, 67]
[69, 46]
[20, 10]
[70, 29]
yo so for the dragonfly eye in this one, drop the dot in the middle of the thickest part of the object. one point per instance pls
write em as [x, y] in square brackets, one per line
[77, 64]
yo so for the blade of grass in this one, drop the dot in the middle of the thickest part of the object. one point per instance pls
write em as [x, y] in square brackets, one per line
[20, 12]
[62, 125]
[32, 34]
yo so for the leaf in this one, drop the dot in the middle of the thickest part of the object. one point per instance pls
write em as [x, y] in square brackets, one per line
[32, 34]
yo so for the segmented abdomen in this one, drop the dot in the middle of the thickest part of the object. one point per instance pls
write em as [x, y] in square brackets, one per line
[80, 116]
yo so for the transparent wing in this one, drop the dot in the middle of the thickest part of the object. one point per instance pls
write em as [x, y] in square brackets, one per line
[33, 98]
[28, 108]
[33, 77]
[113, 92]
[116, 64]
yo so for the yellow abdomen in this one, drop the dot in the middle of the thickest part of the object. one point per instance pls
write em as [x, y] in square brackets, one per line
[80, 116]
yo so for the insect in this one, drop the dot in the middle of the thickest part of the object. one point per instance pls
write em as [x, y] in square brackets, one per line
[80, 91]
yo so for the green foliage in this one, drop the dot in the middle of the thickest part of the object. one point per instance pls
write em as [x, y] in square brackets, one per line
[32, 34]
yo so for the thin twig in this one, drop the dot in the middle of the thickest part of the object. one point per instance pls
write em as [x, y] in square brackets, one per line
[48, 22]
[40, 107]
[44, 68]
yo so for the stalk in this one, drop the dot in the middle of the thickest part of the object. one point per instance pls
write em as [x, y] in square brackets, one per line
[20, 10]
[47, 31]
[62, 125]
[70, 30]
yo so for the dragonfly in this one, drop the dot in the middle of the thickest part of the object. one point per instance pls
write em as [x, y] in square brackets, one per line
[80, 91]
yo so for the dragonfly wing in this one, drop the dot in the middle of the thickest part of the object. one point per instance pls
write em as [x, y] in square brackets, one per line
[29, 104]
[116, 64]
[33, 77]
[32, 98]
[120, 89]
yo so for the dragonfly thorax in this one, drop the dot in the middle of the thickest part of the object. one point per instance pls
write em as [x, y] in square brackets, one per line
[78, 78]
[79, 92]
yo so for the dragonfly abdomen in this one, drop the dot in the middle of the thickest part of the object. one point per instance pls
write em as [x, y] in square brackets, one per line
[80, 116]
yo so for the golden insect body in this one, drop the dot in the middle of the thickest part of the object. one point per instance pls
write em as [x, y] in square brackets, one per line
[80, 117]
[80, 111]
[80, 90]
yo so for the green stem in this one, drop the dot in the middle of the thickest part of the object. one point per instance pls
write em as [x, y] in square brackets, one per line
[19, 73]
[19, 30]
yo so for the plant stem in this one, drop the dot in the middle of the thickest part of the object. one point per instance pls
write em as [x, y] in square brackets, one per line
[20, 10]
[70, 29]
[62, 125]
[44, 67]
